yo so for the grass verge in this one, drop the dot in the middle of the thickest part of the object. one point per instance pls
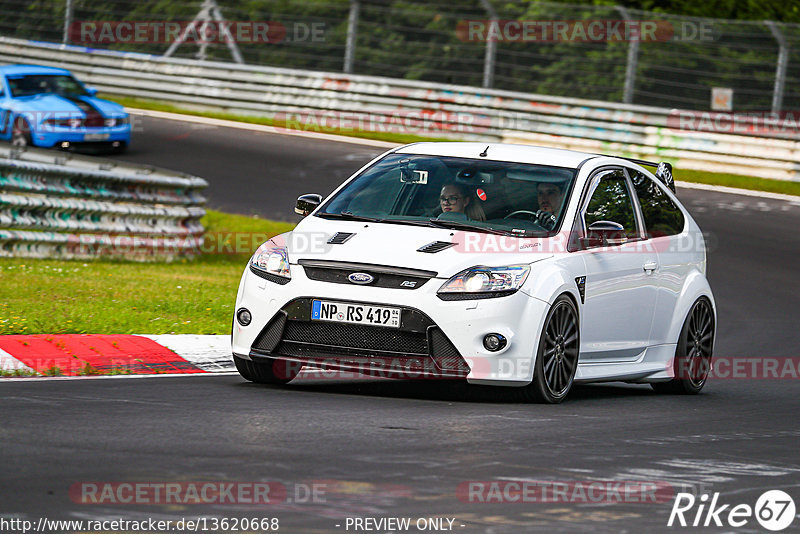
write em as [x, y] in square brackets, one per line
[120, 297]
[686, 175]
[736, 180]
[156, 105]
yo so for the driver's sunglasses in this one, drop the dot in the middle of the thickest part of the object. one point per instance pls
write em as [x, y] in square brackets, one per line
[452, 199]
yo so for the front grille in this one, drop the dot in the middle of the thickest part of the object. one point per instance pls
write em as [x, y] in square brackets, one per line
[94, 121]
[356, 336]
[383, 276]
[417, 346]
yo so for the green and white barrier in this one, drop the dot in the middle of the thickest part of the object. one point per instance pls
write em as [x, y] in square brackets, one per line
[52, 205]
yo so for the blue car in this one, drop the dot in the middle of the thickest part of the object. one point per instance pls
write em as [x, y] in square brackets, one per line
[47, 107]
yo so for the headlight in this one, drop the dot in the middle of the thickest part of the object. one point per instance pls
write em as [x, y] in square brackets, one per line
[485, 282]
[65, 123]
[116, 121]
[272, 260]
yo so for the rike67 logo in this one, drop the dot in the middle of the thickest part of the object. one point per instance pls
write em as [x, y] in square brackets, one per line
[774, 510]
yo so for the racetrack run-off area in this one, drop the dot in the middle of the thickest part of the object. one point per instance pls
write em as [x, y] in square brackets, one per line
[114, 355]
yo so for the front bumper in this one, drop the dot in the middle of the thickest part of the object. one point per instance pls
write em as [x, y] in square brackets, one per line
[52, 136]
[438, 339]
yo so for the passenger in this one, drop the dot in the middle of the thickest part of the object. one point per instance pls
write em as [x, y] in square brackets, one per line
[457, 198]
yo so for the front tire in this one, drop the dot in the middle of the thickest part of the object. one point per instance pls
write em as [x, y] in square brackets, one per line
[21, 133]
[267, 372]
[557, 356]
[120, 149]
[692, 361]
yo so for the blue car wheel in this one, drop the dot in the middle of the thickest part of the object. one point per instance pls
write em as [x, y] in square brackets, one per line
[21, 133]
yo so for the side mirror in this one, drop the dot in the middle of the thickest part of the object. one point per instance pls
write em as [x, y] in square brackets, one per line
[604, 233]
[92, 91]
[307, 203]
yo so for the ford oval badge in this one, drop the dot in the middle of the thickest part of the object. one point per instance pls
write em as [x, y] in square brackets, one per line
[361, 278]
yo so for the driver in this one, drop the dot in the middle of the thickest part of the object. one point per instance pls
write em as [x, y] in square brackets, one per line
[550, 196]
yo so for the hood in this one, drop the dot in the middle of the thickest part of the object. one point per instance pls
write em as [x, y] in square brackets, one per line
[53, 103]
[397, 245]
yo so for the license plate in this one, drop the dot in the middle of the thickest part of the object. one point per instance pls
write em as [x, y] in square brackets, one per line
[95, 137]
[343, 312]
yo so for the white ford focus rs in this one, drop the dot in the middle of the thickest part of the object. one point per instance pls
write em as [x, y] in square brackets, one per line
[508, 265]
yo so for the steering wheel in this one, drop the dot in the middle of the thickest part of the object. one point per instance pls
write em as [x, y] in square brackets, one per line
[526, 212]
[542, 218]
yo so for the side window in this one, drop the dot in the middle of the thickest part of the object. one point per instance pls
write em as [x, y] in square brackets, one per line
[612, 202]
[661, 216]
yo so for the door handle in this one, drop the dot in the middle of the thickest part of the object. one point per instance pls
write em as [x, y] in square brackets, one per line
[649, 266]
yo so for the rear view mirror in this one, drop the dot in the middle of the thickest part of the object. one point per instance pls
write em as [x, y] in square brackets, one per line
[92, 91]
[413, 176]
[307, 203]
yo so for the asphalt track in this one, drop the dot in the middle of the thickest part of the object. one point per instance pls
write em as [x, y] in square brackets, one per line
[399, 449]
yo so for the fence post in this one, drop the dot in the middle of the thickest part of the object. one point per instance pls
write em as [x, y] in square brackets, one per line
[780, 68]
[209, 11]
[633, 61]
[491, 47]
[67, 21]
[352, 31]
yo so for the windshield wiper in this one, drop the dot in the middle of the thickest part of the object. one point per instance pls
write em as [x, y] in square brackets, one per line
[459, 225]
[349, 216]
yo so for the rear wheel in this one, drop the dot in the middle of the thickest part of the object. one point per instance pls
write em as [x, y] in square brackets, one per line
[21, 133]
[267, 372]
[557, 356]
[692, 361]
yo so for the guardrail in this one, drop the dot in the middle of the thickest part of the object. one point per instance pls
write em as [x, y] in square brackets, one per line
[310, 100]
[58, 205]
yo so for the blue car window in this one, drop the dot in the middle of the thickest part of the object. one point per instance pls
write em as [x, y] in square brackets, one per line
[35, 84]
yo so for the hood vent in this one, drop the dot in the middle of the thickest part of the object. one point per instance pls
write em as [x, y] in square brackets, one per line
[339, 238]
[436, 246]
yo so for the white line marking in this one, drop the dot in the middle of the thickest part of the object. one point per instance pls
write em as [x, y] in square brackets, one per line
[210, 353]
[113, 377]
[737, 191]
[10, 363]
[260, 128]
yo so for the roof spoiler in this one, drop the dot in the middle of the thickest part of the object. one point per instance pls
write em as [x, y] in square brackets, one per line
[663, 171]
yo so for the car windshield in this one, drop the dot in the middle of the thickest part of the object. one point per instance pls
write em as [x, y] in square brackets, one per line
[490, 196]
[35, 84]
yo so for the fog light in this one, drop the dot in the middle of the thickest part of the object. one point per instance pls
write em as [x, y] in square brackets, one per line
[65, 144]
[243, 316]
[494, 342]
